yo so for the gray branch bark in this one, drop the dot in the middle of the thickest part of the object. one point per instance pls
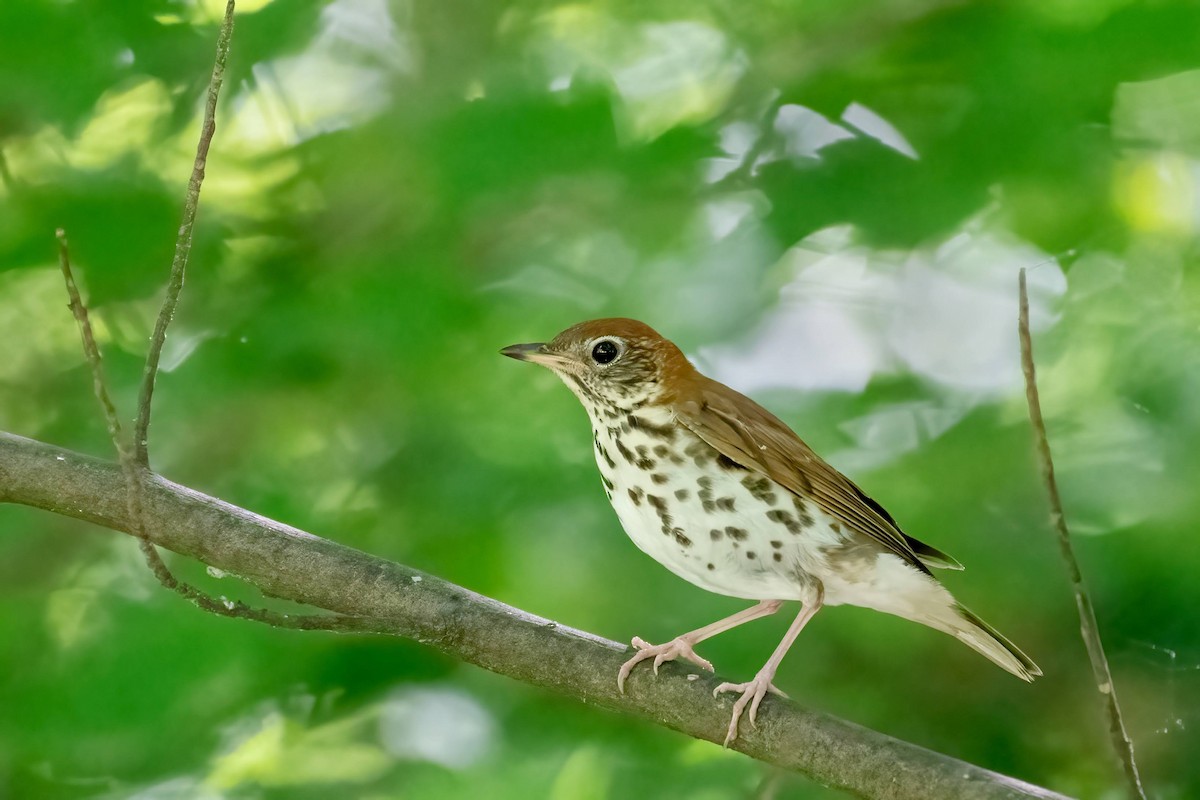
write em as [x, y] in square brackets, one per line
[380, 596]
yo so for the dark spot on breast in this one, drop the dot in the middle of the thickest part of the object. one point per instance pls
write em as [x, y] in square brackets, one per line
[725, 503]
[750, 554]
[802, 512]
[710, 566]
[737, 534]
[833, 526]
[727, 463]
[625, 452]
[778, 556]
[681, 494]
[760, 488]
[661, 450]
[681, 539]
[635, 495]
[715, 534]
[659, 478]
[608, 494]
[607, 483]
[603, 453]
[786, 519]
[666, 432]
[776, 544]
[699, 452]
[660, 508]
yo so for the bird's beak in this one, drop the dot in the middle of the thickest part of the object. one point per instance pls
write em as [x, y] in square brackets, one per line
[535, 352]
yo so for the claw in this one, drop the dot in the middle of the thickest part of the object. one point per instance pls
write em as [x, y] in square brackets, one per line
[661, 653]
[752, 693]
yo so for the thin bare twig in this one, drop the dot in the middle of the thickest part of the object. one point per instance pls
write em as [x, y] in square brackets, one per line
[100, 388]
[183, 244]
[134, 459]
[1122, 744]
[135, 474]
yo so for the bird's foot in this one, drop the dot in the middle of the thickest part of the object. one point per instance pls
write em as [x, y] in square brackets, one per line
[753, 693]
[660, 653]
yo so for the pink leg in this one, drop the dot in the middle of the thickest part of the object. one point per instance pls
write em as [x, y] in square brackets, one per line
[754, 691]
[682, 645]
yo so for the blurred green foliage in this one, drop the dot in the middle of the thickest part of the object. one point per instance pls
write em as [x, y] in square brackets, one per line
[825, 203]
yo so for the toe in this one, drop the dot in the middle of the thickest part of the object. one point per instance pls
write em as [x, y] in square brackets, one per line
[627, 668]
[725, 687]
[731, 733]
[754, 704]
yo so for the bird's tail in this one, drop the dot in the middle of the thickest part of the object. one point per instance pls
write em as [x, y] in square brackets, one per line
[969, 629]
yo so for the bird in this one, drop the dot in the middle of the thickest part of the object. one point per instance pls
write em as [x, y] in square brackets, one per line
[725, 495]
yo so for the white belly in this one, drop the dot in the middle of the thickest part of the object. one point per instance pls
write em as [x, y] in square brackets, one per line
[703, 522]
[734, 532]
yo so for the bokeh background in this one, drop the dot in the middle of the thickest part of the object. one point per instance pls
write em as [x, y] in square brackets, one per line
[824, 203]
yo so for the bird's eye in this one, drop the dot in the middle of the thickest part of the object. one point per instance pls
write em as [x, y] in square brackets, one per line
[605, 351]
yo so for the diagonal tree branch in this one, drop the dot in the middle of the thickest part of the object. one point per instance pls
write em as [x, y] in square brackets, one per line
[1088, 627]
[380, 596]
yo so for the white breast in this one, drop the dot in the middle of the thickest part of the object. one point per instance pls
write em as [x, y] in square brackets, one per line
[702, 521]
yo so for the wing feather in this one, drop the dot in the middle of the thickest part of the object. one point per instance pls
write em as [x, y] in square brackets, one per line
[756, 439]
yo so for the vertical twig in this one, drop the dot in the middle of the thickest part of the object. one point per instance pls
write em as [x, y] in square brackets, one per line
[134, 458]
[129, 468]
[183, 244]
[135, 474]
[1122, 744]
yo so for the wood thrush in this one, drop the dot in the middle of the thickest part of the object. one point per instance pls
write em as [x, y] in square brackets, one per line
[722, 493]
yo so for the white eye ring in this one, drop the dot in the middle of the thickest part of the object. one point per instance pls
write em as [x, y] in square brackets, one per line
[606, 351]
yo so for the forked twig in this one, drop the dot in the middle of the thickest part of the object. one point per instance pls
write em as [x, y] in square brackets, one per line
[134, 475]
[1122, 744]
[183, 244]
[134, 457]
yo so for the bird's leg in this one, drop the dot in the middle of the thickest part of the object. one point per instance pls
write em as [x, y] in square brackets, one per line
[754, 691]
[682, 645]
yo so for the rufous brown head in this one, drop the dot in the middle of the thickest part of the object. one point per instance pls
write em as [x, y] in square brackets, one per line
[616, 363]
